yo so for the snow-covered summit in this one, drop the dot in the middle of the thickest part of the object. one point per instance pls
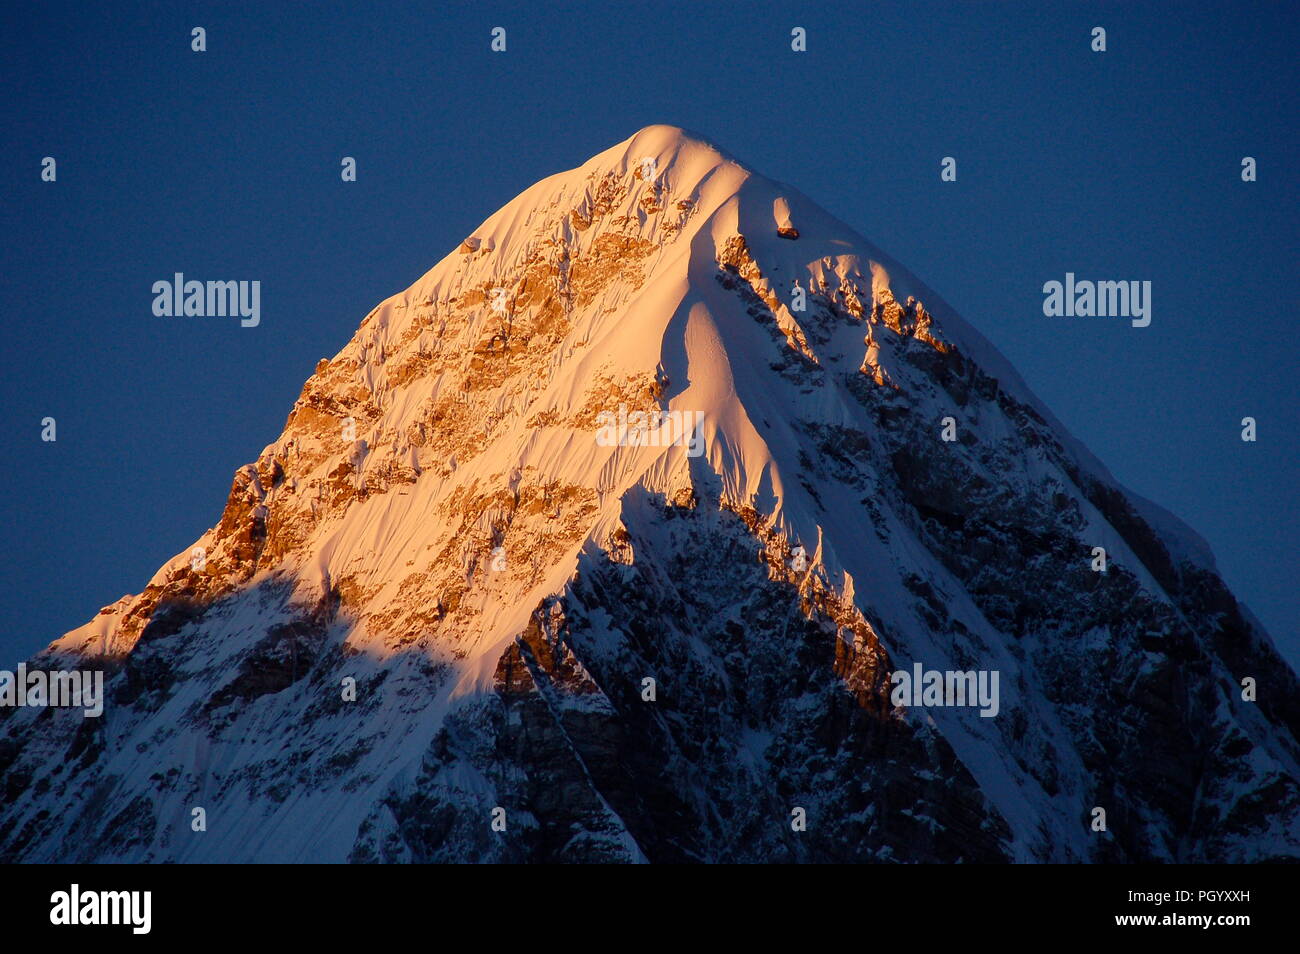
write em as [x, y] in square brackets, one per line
[662, 418]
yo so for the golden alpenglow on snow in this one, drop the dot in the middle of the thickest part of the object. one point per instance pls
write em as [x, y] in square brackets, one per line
[612, 537]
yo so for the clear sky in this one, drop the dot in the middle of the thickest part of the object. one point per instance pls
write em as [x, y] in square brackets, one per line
[225, 164]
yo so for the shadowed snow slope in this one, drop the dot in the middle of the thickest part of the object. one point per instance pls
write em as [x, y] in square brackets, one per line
[618, 521]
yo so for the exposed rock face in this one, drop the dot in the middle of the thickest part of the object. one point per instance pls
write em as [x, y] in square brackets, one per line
[441, 619]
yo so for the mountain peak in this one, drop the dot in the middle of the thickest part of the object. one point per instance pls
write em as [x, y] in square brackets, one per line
[661, 418]
[664, 140]
[667, 146]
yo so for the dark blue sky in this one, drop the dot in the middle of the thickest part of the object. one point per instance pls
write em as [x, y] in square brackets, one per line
[225, 164]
